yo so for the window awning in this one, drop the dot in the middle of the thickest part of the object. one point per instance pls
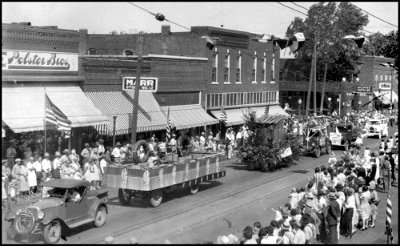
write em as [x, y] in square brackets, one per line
[23, 107]
[236, 116]
[384, 96]
[188, 116]
[117, 103]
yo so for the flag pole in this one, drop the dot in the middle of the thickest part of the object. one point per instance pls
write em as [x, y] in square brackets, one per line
[44, 120]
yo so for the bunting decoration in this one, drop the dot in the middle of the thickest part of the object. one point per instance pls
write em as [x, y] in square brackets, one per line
[168, 127]
[294, 43]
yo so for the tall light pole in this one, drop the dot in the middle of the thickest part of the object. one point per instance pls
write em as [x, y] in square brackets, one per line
[298, 124]
[137, 88]
[329, 104]
[339, 103]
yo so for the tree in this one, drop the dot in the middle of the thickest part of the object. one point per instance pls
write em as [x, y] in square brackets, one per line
[328, 23]
[385, 45]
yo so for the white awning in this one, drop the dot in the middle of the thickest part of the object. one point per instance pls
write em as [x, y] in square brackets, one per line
[384, 96]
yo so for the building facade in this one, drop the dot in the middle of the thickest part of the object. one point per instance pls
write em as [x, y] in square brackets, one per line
[239, 72]
[41, 65]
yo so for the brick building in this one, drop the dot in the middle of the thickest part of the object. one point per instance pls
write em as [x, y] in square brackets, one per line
[39, 62]
[238, 73]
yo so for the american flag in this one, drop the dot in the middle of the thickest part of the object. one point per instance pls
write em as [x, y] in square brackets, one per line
[55, 116]
[389, 231]
[168, 127]
[222, 115]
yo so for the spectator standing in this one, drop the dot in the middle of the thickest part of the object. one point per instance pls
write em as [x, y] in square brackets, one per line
[349, 208]
[103, 164]
[56, 166]
[10, 154]
[6, 175]
[100, 146]
[293, 198]
[116, 153]
[203, 140]
[32, 181]
[239, 138]
[365, 209]
[248, 235]
[299, 235]
[269, 238]
[230, 137]
[85, 153]
[39, 170]
[333, 218]
[374, 201]
[46, 166]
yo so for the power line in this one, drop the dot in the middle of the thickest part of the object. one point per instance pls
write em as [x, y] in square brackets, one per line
[300, 6]
[292, 8]
[374, 15]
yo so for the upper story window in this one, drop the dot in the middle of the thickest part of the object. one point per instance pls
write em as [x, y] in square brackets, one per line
[214, 72]
[254, 70]
[264, 68]
[381, 77]
[273, 68]
[239, 67]
[376, 77]
[227, 67]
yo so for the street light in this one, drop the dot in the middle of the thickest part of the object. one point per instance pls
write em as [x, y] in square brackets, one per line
[359, 106]
[298, 123]
[329, 104]
[338, 100]
[344, 79]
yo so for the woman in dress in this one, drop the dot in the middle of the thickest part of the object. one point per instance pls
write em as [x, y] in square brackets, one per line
[89, 172]
[365, 209]
[76, 172]
[20, 172]
[32, 180]
[374, 203]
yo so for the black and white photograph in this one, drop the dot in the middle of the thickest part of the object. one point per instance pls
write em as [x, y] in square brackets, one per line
[200, 122]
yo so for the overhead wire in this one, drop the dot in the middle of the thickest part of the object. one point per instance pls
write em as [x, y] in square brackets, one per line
[374, 15]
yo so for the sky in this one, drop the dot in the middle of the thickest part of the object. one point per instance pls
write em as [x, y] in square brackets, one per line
[104, 17]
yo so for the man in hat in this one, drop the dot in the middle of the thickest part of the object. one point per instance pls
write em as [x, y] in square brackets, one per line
[46, 166]
[116, 153]
[10, 154]
[100, 146]
[56, 165]
[230, 137]
[85, 153]
[333, 218]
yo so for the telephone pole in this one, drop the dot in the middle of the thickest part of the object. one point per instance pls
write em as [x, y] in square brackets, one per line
[323, 89]
[311, 80]
[137, 88]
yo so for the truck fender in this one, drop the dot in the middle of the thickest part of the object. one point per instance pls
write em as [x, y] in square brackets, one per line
[93, 209]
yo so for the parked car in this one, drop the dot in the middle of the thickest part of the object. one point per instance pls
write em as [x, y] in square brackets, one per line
[377, 127]
[345, 134]
[57, 211]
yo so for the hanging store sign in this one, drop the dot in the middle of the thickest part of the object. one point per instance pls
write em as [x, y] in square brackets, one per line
[146, 83]
[385, 86]
[19, 60]
[364, 88]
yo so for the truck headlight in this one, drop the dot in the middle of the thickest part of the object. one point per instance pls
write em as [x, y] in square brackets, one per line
[40, 214]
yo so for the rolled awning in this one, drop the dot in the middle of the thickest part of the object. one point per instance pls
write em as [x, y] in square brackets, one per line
[237, 116]
[23, 107]
[384, 96]
[188, 116]
[119, 104]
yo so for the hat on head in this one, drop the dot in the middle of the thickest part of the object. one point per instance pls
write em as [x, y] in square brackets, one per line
[4, 162]
[372, 185]
[46, 154]
[332, 195]
[18, 160]
[57, 153]
[87, 145]
[286, 225]
[203, 133]
[66, 151]
[118, 144]
[101, 140]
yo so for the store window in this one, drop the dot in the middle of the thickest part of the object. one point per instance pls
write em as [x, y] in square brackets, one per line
[264, 68]
[386, 77]
[376, 77]
[227, 67]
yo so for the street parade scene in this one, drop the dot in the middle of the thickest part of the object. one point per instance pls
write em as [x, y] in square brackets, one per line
[279, 128]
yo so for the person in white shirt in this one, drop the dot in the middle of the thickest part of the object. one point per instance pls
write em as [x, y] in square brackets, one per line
[349, 207]
[248, 235]
[46, 166]
[103, 164]
[116, 153]
[230, 137]
[203, 140]
[56, 166]
[341, 177]
[269, 238]
[38, 167]
[100, 146]
[239, 138]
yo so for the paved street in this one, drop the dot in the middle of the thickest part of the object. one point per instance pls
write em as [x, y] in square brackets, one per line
[221, 207]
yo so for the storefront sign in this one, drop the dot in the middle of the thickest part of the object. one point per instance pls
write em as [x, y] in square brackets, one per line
[364, 88]
[19, 60]
[146, 83]
[385, 86]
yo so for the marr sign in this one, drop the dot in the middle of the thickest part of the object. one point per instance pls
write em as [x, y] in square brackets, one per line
[146, 83]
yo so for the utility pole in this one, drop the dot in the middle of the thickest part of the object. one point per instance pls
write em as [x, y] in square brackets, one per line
[310, 81]
[323, 88]
[137, 88]
[315, 75]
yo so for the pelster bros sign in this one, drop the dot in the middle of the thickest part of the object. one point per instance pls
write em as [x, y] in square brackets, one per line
[18, 60]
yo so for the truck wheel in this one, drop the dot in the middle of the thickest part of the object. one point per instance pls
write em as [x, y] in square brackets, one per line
[124, 196]
[346, 145]
[317, 152]
[194, 189]
[100, 218]
[52, 232]
[11, 233]
[156, 197]
[328, 148]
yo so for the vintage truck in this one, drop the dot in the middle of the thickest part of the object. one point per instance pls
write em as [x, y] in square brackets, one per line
[315, 139]
[152, 179]
[344, 134]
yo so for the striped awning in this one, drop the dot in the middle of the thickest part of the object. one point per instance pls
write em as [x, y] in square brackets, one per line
[23, 106]
[237, 116]
[120, 104]
[188, 116]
